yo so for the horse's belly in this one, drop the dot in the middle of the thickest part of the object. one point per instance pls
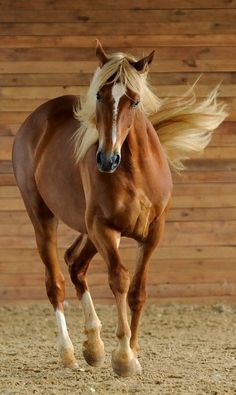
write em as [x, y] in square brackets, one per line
[62, 192]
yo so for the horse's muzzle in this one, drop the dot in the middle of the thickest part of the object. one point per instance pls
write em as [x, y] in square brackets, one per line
[108, 162]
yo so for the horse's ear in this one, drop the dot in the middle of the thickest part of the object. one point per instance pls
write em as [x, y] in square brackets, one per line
[142, 64]
[101, 54]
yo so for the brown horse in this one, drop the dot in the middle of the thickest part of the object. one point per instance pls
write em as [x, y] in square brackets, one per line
[101, 167]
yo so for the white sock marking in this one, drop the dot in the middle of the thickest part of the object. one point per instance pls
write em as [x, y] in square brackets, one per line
[91, 319]
[63, 335]
[118, 241]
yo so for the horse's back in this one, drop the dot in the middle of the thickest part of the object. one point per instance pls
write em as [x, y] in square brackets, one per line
[44, 117]
[33, 130]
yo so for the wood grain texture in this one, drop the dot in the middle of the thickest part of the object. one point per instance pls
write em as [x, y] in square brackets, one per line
[121, 5]
[122, 16]
[47, 50]
[27, 41]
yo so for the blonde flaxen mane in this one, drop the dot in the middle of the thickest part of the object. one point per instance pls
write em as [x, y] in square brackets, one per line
[183, 125]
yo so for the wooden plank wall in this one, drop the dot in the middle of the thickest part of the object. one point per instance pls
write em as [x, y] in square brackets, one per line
[47, 49]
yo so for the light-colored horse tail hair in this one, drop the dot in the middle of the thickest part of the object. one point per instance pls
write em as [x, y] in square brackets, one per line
[186, 125]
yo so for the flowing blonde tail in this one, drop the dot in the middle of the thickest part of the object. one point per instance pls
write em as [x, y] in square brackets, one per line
[186, 125]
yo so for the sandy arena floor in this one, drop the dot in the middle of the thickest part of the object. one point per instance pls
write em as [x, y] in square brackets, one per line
[184, 350]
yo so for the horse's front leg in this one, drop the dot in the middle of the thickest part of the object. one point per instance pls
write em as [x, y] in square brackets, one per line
[124, 361]
[137, 290]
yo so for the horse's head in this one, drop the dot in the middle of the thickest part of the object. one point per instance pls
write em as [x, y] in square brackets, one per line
[116, 105]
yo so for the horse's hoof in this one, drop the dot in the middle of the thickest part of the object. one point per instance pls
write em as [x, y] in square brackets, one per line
[126, 366]
[68, 359]
[71, 364]
[94, 354]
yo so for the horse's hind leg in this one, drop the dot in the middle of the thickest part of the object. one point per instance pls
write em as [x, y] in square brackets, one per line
[78, 257]
[45, 226]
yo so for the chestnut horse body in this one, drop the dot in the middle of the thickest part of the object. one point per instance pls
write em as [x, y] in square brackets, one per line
[121, 186]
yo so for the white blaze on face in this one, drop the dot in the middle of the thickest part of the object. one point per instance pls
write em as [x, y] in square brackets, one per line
[118, 90]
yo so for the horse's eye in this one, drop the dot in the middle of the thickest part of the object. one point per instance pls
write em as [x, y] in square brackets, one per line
[99, 97]
[135, 103]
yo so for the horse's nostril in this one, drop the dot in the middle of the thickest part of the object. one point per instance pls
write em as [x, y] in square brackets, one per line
[99, 158]
[117, 159]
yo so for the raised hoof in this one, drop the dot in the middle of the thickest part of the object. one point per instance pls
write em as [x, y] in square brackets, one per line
[126, 366]
[94, 353]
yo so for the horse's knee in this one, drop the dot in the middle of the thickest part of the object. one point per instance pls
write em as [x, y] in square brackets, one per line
[119, 279]
[55, 289]
[68, 257]
[78, 277]
[73, 267]
[136, 298]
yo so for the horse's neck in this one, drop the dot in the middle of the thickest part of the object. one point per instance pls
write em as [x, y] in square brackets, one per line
[145, 160]
[140, 137]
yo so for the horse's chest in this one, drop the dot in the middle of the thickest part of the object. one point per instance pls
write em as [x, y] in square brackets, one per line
[133, 216]
[145, 213]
